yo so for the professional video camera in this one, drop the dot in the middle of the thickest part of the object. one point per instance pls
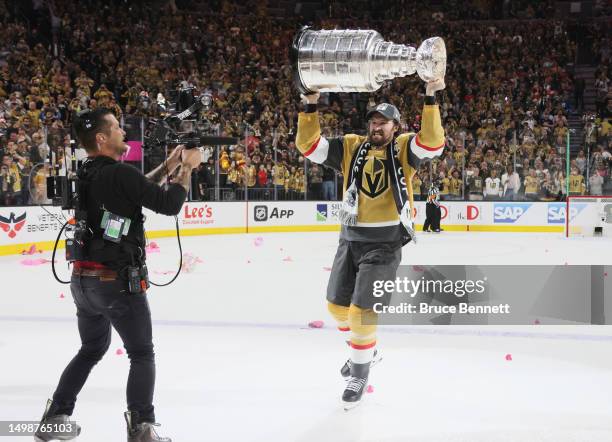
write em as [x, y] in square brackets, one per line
[184, 121]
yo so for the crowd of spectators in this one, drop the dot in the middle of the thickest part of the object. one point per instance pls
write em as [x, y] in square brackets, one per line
[510, 91]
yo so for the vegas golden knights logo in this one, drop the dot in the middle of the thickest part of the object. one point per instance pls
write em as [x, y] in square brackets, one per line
[374, 179]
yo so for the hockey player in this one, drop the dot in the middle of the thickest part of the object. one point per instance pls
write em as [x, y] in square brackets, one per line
[375, 215]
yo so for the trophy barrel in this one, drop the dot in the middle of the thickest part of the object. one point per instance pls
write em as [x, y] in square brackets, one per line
[334, 60]
[359, 60]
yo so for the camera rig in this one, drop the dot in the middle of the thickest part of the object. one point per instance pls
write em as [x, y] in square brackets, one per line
[63, 189]
[162, 132]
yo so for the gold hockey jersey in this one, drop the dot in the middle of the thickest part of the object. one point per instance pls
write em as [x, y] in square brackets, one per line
[377, 217]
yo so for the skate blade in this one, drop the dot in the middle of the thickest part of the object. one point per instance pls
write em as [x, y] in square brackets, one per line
[348, 406]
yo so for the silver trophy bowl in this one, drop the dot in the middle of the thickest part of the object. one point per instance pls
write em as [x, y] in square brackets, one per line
[360, 60]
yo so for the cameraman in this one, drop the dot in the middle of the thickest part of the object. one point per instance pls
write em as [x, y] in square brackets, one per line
[103, 295]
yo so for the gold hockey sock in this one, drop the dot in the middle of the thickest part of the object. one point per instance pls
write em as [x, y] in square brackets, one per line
[362, 323]
[340, 314]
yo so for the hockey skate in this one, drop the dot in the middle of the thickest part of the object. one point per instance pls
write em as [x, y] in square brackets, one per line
[356, 386]
[345, 371]
[59, 422]
[143, 432]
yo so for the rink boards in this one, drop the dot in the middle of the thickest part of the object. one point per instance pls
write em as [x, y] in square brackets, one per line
[21, 227]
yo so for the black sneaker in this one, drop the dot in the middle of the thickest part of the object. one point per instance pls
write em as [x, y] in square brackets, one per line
[356, 385]
[345, 371]
[59, 422]
[143, 432]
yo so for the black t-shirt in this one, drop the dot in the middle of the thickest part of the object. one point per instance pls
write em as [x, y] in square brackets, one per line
[123, 190]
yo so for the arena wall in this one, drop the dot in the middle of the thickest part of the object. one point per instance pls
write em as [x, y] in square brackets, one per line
[40, 226]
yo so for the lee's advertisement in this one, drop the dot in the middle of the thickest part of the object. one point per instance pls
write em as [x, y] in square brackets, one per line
[199, 216]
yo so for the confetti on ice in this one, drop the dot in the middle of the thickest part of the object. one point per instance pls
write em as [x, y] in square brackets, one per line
[153, 248]
[34, 262]
[190, 262]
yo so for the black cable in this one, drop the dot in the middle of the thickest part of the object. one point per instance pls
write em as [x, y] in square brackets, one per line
[53, 255]
[178, 237]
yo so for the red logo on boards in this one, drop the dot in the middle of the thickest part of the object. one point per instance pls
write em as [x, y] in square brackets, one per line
[473, 212]
[443, 211]
[197, 212]
[12, 224]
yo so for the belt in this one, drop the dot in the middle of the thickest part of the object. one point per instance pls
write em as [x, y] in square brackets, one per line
[103, 274]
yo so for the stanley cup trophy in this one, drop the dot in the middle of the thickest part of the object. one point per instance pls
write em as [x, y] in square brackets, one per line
[360, 60]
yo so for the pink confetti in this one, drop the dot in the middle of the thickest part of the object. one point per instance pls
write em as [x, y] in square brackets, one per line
[190, 261]
[34, 262]
[288, 259]
[249, 261]
[281, 249]
[370, 389]
[258, 241]
[316, 324]
[536, 322]
[606, 274]
[418, 268]
[327, 269]
[508, 357]
[31, 251]
[62, 296]
[119, 352]
[163, 272]
[153, 248]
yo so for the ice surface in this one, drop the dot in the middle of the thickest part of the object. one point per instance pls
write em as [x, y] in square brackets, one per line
[236, 360]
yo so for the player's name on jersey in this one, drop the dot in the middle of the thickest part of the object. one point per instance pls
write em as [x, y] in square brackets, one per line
[425, 308]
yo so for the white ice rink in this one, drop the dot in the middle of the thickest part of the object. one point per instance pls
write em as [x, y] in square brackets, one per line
[237, 362]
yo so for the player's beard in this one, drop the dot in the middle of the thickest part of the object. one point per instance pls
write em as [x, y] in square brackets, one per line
[379, 141]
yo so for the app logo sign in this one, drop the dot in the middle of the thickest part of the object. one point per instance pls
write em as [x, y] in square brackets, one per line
[509, 213]
[12, 224]
[261, 213]
[321, 212]
[557, 212]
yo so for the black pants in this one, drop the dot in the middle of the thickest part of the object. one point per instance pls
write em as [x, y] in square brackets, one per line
[433, 214]
[101, 304]
[357, 266]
